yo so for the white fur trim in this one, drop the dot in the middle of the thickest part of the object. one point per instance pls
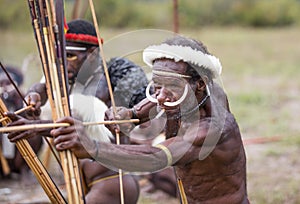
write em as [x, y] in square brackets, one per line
[184, 53]
[88, 109]
[91, 109]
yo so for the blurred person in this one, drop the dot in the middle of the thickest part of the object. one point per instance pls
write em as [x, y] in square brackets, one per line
[14, 102]
[9, 95]
[203, 141]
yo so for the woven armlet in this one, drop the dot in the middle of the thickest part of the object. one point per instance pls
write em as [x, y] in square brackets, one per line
[167, 152]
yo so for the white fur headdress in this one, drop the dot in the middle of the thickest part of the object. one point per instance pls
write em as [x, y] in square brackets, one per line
[184, 53]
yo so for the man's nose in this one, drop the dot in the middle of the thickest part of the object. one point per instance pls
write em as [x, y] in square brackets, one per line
[163, 96]
[68, 65]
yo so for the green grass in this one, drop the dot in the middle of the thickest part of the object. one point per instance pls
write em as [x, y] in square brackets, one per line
[261, 77]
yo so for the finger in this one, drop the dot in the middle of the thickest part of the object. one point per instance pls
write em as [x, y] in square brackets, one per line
[122, 114]
[18, 122]
[109, 114]
[117, 130]
[65, 142]
[69, 120]
[37, 112]
[62, 139]
[63, 146]
[12, 116]
[38, 105]
[28, 100]
[62, 131]
[13, 137]
[36, 108]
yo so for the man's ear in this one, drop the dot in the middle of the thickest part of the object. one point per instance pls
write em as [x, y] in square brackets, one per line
[201, 84]
[91, 49]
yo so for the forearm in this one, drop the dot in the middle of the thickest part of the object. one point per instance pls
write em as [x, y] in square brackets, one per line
[30, 133]
[133, 158]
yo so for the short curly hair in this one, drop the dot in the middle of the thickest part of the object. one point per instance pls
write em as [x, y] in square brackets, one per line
[80, 26]
[128, 81]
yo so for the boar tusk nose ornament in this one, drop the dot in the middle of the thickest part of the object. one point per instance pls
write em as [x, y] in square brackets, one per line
[170, 104]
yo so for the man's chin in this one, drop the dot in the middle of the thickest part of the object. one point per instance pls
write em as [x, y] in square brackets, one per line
[169, 110]
[71, 81]
[71, 78]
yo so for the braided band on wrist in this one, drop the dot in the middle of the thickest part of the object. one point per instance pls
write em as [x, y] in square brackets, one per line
[167, 152]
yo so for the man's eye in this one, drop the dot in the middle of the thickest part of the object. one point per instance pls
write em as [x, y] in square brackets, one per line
[71, 57]
[156, 87]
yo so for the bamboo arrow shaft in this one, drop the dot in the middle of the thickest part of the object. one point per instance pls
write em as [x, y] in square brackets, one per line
[32, 126]
[17, 112]
[57, 125]
[111, 122]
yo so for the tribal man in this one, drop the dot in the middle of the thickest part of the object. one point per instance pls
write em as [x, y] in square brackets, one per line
[203, 141]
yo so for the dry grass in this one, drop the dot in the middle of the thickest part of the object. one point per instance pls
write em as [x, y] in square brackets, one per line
[261, 77]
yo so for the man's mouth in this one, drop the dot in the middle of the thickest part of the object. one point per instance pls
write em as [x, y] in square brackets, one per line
[167, 110]
[71, 77]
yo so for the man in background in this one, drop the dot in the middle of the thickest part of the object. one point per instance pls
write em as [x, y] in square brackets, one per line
[14, 102]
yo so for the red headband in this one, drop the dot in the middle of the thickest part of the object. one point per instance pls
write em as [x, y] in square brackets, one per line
[82, 38]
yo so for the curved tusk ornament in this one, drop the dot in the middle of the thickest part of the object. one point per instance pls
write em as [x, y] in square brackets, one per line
[149, 97]
[176, 103]
[169, 104]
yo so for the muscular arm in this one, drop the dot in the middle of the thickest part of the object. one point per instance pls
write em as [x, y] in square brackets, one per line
[195, 142]
[143, 158]
[140, 158]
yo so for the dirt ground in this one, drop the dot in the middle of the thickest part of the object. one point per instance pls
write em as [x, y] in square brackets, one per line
[272, 178]
[14, 191]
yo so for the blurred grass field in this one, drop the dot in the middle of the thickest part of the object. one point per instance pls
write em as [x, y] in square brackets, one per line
[261, 78]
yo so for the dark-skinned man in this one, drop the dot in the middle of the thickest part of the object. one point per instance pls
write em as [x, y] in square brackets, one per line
[203, 141]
